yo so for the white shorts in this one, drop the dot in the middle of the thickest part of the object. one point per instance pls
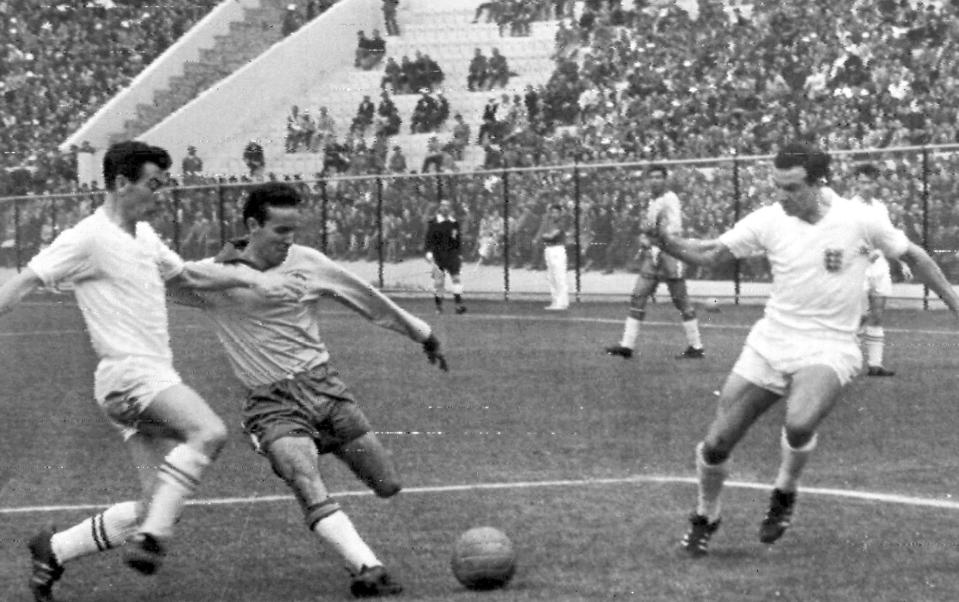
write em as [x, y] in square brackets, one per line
[878, 280]
[773, 354]
[124, 388]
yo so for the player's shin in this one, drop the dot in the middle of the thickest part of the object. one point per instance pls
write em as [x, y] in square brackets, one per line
[104, 531]
[793, 461]
[177, 479]
[711, 479]
[333, 526]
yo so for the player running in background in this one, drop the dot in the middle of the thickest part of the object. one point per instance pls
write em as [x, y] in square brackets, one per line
[118, 266]
[804, 350]
[878, 281]
[297, 408]
[656, 267]
[442, 248]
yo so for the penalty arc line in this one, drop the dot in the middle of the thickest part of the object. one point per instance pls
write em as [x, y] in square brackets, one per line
[866, 496]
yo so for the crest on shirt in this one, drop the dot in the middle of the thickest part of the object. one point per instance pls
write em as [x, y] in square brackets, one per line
[832, 259]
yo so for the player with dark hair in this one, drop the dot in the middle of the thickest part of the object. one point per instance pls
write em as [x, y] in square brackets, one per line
[297, 408]
[442, 248]
[878, 285]
[118, 266]
[804, 350]
[656, 267]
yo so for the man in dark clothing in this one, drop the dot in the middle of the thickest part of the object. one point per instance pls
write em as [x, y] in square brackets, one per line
[443, 252]
[477, 71]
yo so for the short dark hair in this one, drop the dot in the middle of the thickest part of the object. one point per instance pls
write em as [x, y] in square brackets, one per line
[128, 158]
[660, 168]
[866, 169]
[264, 196]
[798, 154]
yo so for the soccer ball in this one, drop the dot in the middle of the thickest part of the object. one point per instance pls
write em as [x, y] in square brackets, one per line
[483, 558]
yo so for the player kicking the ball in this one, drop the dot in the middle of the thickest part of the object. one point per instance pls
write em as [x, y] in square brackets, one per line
[297, 408]
[804, 350]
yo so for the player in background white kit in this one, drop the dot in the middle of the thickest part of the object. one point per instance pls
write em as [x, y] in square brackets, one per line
[554, 252]
[656, 267]
[119, 267]
[804, 350]
[878, 284]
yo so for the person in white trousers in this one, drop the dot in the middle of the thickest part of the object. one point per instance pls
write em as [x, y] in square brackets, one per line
[554, 236]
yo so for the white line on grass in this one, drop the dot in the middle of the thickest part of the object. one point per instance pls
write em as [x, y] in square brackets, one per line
[868, 496]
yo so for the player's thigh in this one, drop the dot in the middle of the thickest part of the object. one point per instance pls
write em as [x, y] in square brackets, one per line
[439, 276]
[812, 395]
[372, 463]
[740, 403]
[644, 287]
[179, 412]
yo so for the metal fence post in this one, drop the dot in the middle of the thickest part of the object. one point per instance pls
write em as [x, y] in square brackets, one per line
[17, 241]
[925, 216]
[737, 212]
[324, 232]
[221, 213]
[505, 235]
[379, 230]
[176, 219]
[577, 212]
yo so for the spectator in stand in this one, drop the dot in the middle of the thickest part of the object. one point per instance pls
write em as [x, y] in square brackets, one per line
[393, 78]
[411, 76]
[362, 55]
[461, 137]
[389, 115]
[376, 50]
[492, 8]
[478, 71]
[325, 131]
[432, 73]
[364, 116]
[389, 17]
[255, 160]
[291, 20]
[488, 130]
[293, 130]
[498, 73]
[192, 166]
[434, 156]
[424, 114]
[442, 111]
[397, 162]
[307, 130]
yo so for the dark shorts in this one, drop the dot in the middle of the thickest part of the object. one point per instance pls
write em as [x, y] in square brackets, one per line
[449, 264]
[656, 265]
[315, 404]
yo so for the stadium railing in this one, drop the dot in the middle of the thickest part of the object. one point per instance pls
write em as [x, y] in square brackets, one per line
[378, 221]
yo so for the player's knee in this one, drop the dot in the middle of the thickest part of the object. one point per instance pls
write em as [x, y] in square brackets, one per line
[387, 487]
[715, 452]
[637, 305]
[798, 436]
[213, 437]
[688, 313]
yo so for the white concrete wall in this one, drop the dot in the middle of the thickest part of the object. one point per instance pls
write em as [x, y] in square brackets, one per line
[215, 122]
[111, 118]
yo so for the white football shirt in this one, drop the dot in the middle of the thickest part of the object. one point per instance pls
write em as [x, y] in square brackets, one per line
[818, 269]
[665, 210]
[118, 282]
[267, 341]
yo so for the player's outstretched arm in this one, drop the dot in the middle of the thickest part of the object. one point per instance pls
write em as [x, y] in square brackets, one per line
[708, 253]
[14, 290]
[210, 276]
[927, 272]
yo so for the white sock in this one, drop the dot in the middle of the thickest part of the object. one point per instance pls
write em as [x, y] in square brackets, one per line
[177, 479]
[711, 479]
[875, 338]
[792, 463]
[692, 333]
[337, 530]
[630, 333]
[107, 530]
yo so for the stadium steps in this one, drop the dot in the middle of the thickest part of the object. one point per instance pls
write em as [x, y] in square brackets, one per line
[259, 29]
[445, 31]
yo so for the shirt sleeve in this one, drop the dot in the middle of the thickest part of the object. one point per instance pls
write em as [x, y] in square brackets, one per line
[68, 258]
[746, 237]
[882, 235]
[328, 279]
[168, 262]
